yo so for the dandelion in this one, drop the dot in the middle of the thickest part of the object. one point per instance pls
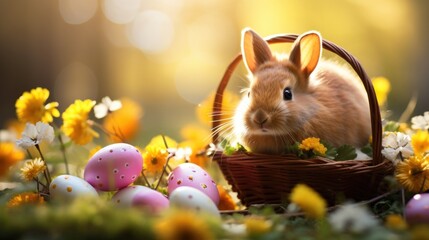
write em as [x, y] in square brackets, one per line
[420, 142]
[33, 135]
[420, 122]
[30, 106]
[76, 123]
[382, 89]
[186, 225]
[396, 144]
[352, 218]
[32, 169]
[107, 105]
[154, 159]
[413, 173]
[313, 144]
[308, 200]
[9, 155]
[256, 225]
[24, 199]
[226, 202]
[124, 123]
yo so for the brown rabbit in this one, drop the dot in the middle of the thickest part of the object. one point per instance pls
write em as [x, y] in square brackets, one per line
[292, 98]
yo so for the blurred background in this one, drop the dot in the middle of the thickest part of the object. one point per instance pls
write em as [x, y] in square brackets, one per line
[169, 55]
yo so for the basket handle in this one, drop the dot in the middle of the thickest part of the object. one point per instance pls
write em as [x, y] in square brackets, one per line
[376, 126]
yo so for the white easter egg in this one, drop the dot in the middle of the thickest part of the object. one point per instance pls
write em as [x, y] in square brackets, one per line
[192, 198]
[69, 187]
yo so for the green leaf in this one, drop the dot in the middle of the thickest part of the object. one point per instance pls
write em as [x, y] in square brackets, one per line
[331, 152]
[367, 149]
[345, 152]
[391, 126]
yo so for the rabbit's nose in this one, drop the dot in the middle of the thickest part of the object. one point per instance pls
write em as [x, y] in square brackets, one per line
[260, 117]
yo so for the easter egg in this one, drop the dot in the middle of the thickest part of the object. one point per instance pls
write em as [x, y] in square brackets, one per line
[417, 209]
[114, 167]
[68, 187]
[140, 196]
[191, 198]
[192, 175]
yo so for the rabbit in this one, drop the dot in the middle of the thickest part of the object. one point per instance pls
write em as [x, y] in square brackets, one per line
[296, 96]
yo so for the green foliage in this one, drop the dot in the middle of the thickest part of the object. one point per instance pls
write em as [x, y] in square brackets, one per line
[345, 152]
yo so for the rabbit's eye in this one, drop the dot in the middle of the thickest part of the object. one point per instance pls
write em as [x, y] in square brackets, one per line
[248, 94]
[287, 94]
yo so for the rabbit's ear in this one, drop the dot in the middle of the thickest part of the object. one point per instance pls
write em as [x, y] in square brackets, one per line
[255, 49]
[306, 52]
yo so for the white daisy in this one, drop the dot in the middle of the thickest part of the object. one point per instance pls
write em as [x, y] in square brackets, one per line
[420, 121]
[34, 134]
[395, 143]
[106, 106]
[352, 218]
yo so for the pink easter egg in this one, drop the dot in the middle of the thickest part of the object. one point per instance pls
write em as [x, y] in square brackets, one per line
[192, 175]
[140, 196]
[114, 167]
[152, 200]
[417, 209]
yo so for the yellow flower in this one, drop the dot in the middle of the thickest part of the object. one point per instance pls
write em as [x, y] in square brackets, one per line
[154, 159]
[197, 138]
[76, 124]
[309, 201]
[94, 150]
[313, 144]
[382, 89]
[124, 123]
[413, 173]
[32, 169]
[205, 109]
[158, 141]
[396, 222]
[9, 155]
[186, 225]
[420, 142]
[257, 225]
[30, 107]
[225, 200]
[25, 198]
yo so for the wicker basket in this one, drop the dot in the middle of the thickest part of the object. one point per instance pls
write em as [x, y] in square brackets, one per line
[268, 179]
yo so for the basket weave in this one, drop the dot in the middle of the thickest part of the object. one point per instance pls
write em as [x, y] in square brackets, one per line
[269, 179]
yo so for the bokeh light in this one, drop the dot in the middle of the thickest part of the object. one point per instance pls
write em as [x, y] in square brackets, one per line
[75, 81]
[121, 11]
[77, 11]
[152, 31]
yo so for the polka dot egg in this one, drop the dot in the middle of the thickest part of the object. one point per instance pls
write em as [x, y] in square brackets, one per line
[192, 175]
[185, 197]
[114, 167]
[68, 187]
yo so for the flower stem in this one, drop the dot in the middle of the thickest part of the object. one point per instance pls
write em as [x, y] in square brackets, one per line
[105, 131]
[145, 179]
[63, 150]
[170, 155]
[46, 171]
[163, 170]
